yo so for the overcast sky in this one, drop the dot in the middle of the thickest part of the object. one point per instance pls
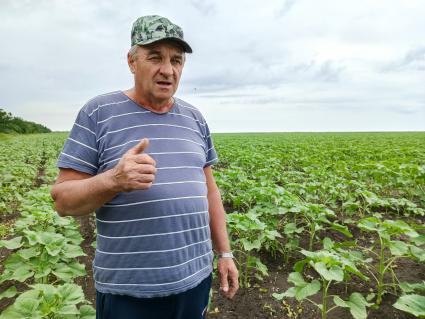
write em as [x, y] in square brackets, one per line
[289, 65]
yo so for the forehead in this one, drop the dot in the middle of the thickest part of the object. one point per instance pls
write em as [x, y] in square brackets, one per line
[162, 47]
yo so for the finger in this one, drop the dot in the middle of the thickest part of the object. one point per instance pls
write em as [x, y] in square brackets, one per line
[139, 148]
[146, 169]
[224, 284]
[144, 159]
[140, 185]
[234, 284]
[146, 178]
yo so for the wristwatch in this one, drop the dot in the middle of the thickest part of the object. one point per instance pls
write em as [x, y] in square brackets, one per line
[225, 255]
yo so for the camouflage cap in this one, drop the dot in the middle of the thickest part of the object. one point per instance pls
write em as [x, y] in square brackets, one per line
[149, 29]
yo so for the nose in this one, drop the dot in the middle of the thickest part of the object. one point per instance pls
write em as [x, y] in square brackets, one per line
[166, 68]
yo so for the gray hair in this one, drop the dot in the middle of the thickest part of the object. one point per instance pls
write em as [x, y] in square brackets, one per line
[133, 52]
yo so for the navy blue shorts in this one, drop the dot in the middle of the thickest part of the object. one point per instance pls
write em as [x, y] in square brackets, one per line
[191, 304]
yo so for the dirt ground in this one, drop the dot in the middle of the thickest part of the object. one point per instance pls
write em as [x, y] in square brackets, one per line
[256, 301]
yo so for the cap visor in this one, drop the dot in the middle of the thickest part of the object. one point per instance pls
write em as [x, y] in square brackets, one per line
[185, 46]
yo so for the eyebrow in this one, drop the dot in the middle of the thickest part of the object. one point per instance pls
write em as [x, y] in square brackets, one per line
[153, 51]
[156, 52]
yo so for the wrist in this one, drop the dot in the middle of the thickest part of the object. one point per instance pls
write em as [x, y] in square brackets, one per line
[227, 254]
[111, 181]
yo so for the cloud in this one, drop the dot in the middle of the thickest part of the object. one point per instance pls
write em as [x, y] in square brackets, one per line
[329, 71]
[281, 56]
[413, 60]
[286, 7]
[203, 6]
[254, 75]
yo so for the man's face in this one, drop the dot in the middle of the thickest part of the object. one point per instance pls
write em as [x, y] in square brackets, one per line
[157, 69]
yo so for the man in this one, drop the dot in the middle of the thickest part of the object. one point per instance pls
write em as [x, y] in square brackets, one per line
[142, 159]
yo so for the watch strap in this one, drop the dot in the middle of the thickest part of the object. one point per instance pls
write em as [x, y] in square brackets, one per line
[225, 255]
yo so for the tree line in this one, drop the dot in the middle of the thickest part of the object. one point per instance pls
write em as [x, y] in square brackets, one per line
[13, 124]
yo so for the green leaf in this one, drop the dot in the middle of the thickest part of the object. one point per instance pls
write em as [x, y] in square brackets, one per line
[302, 288]
[22, 273]
[25, 306]
[342, 229]
[328, 243]
[420, 240]
[334, 273]
[273, 234]
[291, 228]
[400, 227]
[32, 237]
[278, 296]
[42, 270]
[261, 267]
[310, 289]
[69, 310]
[87, 312]
[28, 253]
[47, 238]
[412, 287]
[369, 224]
[299, 265]
[297, 279]
[72, 251]
[13, 243]
[259, 277]
[9, 293]
[413, 304]
[54, 248]
[291, 292]
[66, 272]
[418, 253]
[71, 293]
[357, 304]
[49, 295]
[398, 248]
[248, 245]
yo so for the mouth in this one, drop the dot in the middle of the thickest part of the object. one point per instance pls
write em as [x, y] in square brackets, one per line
[165, 84]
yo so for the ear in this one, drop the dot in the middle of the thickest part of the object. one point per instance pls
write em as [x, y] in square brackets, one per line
[130, 62]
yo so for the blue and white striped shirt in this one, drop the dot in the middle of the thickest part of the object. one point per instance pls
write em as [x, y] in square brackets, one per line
[153, 242]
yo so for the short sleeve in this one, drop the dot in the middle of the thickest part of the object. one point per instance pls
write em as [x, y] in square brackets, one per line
[210, 152]
[80, 150]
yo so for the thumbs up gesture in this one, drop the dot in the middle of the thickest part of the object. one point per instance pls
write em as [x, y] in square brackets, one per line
[135, 170]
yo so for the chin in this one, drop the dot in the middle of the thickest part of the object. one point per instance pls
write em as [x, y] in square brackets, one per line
[164, 95]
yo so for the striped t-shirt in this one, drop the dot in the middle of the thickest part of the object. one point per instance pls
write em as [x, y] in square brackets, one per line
[153, 242]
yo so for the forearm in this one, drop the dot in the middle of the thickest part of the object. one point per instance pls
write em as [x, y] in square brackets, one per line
[218, 228]
[81, 197]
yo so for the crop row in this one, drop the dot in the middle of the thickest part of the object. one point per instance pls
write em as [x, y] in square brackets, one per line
[25, 161]
[44, 247]
[336, 208]
[341, 210]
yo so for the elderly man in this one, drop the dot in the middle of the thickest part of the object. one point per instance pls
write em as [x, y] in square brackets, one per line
[141, 158]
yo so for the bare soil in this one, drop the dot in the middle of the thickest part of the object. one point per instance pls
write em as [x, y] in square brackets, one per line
[87, 230]
[257, 301]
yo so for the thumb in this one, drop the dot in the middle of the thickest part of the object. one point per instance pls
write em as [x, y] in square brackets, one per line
[139, 148]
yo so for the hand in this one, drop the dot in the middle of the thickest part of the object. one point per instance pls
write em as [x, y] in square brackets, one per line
[228, 275]
[135, 170]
